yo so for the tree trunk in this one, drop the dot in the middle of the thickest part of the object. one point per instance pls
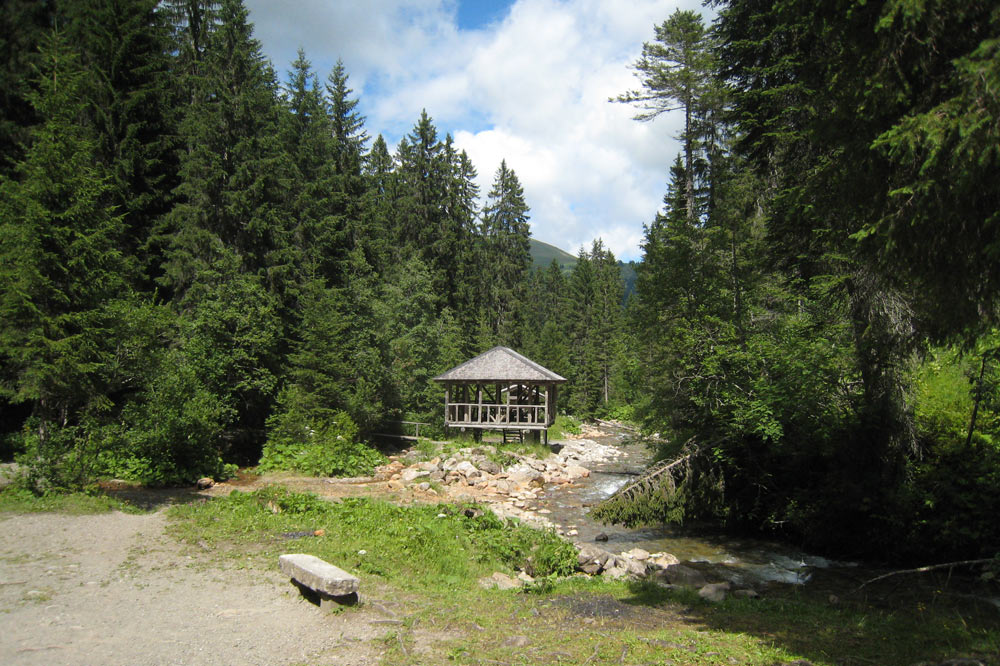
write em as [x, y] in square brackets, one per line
[688, 161]
[975, 404]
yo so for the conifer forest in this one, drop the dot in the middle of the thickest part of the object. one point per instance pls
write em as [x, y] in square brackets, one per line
[207, 261]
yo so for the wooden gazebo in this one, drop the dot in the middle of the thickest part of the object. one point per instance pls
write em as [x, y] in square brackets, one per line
[500, 390]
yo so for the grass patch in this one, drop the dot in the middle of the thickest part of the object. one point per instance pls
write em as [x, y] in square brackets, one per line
[20, 500]
[588, 621]
[421, 547]
[428, 558]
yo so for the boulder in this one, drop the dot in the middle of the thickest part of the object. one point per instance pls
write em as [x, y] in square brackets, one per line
[591, 559]
[527, 479]
[465, 468]
[410, 474]
[204, 483]
[665, 560]
[489, 466]
[714, 592]
[681, 575]
[500, 581]
[575, 472]
[638, 554]
[617, 568]
[746, 593]
[635, 568]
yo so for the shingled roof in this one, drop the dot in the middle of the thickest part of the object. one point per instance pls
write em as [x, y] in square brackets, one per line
[499, 364]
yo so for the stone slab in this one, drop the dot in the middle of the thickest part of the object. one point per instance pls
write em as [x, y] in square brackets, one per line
[318, 575]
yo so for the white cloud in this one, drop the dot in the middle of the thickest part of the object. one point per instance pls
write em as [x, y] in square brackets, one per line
[532, 88]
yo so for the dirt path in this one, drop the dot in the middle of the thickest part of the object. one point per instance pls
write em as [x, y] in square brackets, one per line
[114, 589]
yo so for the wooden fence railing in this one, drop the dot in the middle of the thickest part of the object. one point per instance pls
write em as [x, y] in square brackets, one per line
[471, 413]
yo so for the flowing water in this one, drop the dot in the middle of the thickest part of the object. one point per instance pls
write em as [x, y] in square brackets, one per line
[743, 561]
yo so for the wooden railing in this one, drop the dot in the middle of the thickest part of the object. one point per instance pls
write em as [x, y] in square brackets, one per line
[471, 413]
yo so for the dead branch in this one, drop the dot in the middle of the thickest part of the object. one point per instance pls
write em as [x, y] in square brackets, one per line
[657, 470]
[931, 567]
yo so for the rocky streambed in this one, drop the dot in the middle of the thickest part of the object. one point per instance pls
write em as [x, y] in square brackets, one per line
[535, 491]
[515, 489]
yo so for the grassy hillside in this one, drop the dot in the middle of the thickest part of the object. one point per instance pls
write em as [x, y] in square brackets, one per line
[542, 255]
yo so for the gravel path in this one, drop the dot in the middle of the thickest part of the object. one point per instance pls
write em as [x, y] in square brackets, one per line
[113, 589]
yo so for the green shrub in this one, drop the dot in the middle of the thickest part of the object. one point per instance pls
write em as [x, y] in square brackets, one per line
[624, 413]
[952, 496]
[171, 434]
[315, 443]
[564, 425]
[943, 402]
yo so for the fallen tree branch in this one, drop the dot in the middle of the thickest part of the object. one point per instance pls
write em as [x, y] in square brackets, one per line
[930, 567]
[659, 494]
[614, 424]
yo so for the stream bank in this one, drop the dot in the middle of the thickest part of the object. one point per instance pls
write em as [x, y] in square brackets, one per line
[557, 492]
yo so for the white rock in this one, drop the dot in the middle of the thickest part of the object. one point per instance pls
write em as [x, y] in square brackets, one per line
[410, 473]
[664, 560]
[714, 592]
[500, 581]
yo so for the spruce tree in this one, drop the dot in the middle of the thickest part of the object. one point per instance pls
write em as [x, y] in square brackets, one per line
[676, 72]
[315, 230]
[232, 170]
[229, 241]
[607, 323]
[348, 125]
[349, 144]
[425, 226]
[125, 45]
[462, 207]
[506, 256]
[583, 392]
[378, 203]
[24, 25]
[60, 267]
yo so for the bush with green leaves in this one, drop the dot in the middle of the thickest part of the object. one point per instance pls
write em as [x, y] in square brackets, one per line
[953, 492]
[307, 439]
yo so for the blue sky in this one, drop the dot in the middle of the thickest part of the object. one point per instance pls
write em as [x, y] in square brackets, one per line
[522, 80]
[476, 14]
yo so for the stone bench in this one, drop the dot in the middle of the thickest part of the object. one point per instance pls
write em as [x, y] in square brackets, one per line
[320, 580]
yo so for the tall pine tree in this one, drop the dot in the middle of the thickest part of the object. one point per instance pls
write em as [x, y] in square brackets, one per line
[60, 267]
